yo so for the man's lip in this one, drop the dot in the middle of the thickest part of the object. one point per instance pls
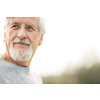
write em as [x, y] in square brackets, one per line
[21, 44]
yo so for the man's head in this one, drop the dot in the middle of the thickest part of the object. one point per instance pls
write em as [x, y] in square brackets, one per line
[22, 36]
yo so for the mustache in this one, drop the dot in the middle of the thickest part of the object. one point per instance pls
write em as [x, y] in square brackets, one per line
[21, 41]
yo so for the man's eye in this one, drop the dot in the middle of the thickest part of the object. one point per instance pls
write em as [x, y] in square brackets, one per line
[30, 28]
[15, 26]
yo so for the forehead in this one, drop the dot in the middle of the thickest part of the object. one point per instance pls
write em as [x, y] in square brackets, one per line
[25, 20]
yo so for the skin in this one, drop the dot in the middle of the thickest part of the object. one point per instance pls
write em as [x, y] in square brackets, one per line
[22, 28]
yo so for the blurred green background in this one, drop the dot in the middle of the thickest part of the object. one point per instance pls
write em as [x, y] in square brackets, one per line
[81, 75]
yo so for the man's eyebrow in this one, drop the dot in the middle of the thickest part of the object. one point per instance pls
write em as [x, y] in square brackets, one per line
[31, 25]
[15, 23]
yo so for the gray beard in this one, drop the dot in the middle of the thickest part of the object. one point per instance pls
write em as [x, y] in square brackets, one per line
[20, 55]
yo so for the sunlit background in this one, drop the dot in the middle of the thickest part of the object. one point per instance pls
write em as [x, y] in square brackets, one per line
[71, 42]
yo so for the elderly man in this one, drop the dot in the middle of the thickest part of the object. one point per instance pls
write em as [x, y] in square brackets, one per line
[22, 36]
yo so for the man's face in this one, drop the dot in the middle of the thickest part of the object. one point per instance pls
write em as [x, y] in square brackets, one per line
[22, 36]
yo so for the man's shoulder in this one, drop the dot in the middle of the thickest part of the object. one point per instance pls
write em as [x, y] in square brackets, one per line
[2, 62]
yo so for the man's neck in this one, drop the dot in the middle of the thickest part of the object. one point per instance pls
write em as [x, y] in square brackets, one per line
[20, 63]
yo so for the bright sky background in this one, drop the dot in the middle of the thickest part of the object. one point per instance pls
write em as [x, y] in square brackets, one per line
[72, 30]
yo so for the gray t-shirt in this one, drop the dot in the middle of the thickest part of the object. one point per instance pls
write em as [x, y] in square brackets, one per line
[14, 74]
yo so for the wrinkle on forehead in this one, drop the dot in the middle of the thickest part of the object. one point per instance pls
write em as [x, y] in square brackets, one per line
[35, 20]
[24, 17]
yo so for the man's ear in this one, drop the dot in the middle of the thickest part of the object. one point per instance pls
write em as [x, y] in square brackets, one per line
[40, 40]
[4, 36]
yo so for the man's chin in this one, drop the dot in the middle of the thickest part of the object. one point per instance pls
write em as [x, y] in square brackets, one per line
[20, 55]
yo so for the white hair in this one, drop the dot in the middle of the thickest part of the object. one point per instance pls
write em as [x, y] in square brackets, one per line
[41, 24]
[20, 55]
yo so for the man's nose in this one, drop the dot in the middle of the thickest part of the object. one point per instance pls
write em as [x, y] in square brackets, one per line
[22, 33]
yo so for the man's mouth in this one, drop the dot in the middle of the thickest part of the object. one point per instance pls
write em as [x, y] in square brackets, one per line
[22, 44]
